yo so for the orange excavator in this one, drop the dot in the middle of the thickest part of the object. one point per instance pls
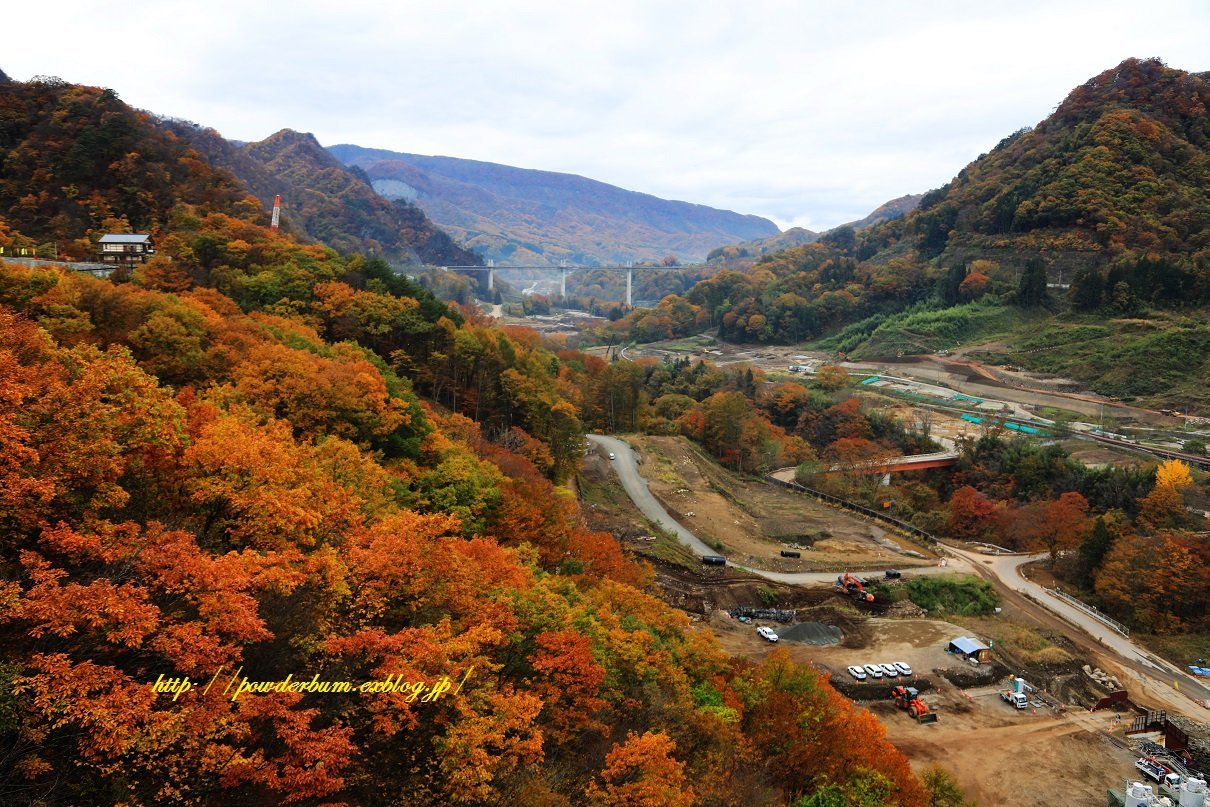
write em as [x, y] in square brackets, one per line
[854, 587]
[908, 699]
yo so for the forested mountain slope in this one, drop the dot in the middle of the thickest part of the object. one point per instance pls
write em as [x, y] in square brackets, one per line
[328, 202]
[260, 460]
[78, 162]
[1109, 196]
[523, 216]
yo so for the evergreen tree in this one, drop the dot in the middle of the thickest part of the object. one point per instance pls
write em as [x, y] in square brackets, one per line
[949, 284]
[1032, 289]
[1093, 550]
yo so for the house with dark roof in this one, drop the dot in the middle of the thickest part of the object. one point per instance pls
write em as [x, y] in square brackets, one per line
[124, 249]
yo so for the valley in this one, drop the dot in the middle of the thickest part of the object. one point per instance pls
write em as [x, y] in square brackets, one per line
[908, 512]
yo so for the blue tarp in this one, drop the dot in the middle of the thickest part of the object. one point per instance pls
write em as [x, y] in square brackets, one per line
[968, 646]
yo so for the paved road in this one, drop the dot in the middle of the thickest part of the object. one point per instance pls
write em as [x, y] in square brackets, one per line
[1007, 570]
[636, 488]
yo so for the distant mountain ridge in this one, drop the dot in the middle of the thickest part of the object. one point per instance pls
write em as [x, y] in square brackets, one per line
[325, 201]
[799, 236]
[888, 210]
[520, 215]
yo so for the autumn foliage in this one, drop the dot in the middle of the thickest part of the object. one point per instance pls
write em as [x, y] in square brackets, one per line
[192, 485]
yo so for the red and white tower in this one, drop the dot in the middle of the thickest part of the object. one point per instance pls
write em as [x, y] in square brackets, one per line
[276, 212]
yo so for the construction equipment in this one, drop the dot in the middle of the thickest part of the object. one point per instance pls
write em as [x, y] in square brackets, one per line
[1159, 772]
[908, 699]
[854, 587]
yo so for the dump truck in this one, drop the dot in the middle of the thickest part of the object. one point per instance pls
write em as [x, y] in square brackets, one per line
[908, 699]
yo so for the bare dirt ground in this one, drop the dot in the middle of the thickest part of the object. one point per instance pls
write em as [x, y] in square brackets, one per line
[1096, 455]
[937, 423]
[754, 521]
[999, 755]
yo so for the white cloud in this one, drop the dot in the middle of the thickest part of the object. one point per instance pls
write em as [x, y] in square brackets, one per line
[805, 112]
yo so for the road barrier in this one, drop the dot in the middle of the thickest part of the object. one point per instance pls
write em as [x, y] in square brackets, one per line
[1083, 606]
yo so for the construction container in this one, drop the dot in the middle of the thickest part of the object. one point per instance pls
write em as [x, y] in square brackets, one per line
[1193, 793]
[1139, 795]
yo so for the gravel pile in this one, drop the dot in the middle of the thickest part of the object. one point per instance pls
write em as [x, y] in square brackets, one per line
[815, 633]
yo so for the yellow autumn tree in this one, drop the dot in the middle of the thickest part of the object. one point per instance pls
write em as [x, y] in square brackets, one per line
[1164, 506]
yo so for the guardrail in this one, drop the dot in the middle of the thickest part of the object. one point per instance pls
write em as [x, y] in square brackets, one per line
[904, 526]
[1091, 610]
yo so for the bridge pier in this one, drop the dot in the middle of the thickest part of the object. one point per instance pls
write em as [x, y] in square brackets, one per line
[491, 275]
[563, 284]
[629, 285]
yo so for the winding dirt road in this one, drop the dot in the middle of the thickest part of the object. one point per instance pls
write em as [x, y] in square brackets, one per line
[626, 466]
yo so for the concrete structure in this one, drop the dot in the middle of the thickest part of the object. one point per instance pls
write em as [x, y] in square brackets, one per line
[565, 269]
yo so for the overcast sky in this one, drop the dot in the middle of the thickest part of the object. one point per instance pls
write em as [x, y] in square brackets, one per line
[808, 113]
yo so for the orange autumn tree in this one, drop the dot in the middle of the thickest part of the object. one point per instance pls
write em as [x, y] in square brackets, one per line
[970, 513]
[1157, 582]
[641, 772]
[1064, 524]
[815, 736]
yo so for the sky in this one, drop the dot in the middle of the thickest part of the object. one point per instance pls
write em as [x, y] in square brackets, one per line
[808, 113]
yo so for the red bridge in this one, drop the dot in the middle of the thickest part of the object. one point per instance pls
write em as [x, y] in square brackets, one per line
[913, 462]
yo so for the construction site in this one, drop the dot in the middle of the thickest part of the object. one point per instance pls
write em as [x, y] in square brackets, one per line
[1020, 708]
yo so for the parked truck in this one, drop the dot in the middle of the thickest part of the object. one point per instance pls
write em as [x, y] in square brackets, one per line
[1153, 769]
[1017, 696]
[1017, 700]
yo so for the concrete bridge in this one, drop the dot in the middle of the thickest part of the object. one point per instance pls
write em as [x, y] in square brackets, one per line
[565, 269]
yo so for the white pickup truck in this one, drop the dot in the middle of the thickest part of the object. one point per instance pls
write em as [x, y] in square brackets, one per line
[1015, 699]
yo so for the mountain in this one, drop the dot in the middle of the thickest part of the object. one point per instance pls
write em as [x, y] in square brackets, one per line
[79, 162]
[524, 216]
[1121, 166]
[327, 202]
[1110, 196]
[799, 236]
[888, 210]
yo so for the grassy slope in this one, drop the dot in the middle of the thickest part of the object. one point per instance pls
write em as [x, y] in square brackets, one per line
[1159, 361]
